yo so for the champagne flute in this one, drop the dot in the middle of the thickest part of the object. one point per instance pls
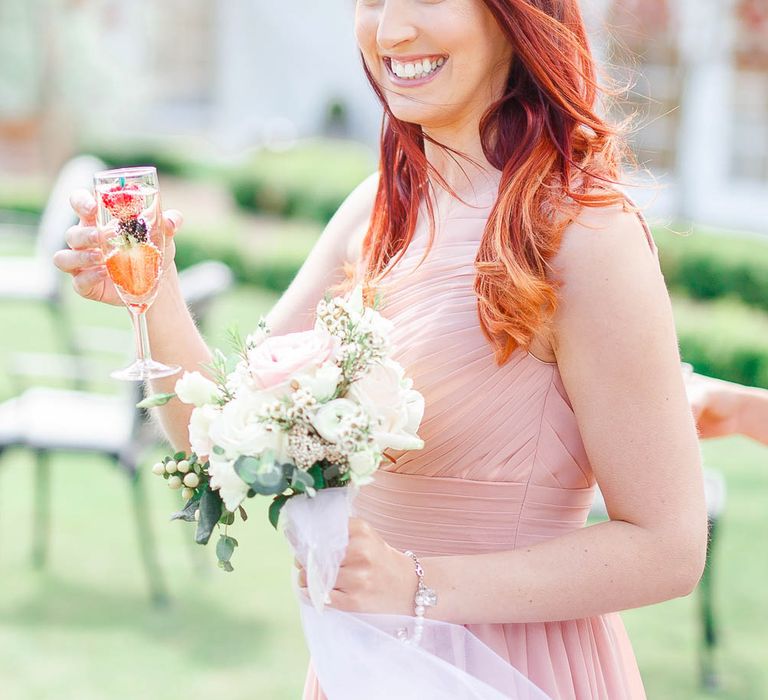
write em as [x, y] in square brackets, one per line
[130, 224]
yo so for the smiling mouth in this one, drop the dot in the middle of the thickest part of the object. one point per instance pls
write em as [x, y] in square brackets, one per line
[414, 71]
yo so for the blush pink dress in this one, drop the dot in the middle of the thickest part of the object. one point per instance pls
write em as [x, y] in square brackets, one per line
[503, 465]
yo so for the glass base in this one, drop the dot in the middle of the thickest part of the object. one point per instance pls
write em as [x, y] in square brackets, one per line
[145, 369]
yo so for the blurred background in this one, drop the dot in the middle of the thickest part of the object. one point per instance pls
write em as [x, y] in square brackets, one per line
[260, 122]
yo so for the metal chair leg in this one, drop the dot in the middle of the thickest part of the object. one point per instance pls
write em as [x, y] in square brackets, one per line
[710, 679]
[42, 509]
[147, 547]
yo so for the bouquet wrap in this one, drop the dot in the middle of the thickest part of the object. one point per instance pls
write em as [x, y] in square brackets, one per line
[358, 655]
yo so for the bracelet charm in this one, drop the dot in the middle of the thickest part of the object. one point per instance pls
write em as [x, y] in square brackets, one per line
[425, 598]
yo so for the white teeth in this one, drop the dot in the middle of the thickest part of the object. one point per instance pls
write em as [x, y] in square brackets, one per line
[415, 70]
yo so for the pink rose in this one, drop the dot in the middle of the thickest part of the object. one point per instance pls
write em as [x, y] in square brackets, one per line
[274, 362]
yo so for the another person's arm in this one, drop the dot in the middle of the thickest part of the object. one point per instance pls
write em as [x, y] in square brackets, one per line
[726, 408]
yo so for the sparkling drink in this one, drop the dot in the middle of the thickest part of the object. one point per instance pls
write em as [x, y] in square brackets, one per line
[130, 223]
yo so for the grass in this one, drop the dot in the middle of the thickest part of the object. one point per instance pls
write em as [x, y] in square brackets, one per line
[83, 627]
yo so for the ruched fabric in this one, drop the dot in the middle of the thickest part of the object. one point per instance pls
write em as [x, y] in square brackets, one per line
[503, 465]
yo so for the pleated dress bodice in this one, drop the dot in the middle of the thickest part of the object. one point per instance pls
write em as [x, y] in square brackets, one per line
[503, 464]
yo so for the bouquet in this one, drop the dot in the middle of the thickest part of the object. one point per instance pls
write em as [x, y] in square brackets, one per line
[291, 415]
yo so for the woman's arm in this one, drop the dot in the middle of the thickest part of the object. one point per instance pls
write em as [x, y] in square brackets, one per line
[726, 408]
[618, 357]
[617, 353]
[176, 339]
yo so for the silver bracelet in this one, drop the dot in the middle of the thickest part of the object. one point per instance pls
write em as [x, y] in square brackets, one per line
[425, 598]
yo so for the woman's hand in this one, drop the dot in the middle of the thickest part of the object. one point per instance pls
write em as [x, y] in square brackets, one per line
[373, 578]
[716, 405]
[84, 259]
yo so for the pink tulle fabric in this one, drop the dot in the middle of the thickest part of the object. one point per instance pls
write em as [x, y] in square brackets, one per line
[503, 465]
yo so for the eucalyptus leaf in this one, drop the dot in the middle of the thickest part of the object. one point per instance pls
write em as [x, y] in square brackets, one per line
[155, 400]
[210, 512]
[243, 514]
[227, 566]
[225, 548]
[302, 480]
[248, 468]
[275, 507]
[218, 450]
[270, 482]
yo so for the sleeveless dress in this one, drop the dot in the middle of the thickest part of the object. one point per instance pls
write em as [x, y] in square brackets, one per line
[503, 464]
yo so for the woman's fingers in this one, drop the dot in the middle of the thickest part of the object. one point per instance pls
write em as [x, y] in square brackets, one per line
[73, 260]
[80, 237]
[84, 204]
[172, 221]
[89, 283]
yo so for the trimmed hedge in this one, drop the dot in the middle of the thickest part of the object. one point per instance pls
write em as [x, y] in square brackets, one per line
[309, 181]
[724, 339]
[705, 265]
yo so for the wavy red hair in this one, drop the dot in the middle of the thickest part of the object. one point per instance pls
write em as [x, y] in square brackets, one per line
[556, 155]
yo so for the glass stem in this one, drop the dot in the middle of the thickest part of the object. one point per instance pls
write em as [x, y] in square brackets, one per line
[142, 335]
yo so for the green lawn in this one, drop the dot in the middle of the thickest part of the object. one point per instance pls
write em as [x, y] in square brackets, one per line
[84, 629]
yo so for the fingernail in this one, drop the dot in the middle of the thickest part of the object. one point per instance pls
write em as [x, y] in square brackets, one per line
[95, 256]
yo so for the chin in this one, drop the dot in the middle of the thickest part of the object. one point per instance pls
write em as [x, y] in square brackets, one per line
[415, 114]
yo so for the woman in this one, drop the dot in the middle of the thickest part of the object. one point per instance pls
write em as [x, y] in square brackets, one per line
[537, 326]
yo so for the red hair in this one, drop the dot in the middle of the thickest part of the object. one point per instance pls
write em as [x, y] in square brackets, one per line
[556, 155]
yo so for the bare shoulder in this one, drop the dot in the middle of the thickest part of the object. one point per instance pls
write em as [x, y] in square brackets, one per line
[604, 245]
[350, 222]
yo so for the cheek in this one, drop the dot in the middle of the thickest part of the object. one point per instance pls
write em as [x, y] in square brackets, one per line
[365, 35]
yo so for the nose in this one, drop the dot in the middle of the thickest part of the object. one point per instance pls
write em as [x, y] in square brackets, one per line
[396, 25]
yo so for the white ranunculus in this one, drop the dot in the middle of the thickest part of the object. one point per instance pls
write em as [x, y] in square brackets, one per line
[200, 424]
[387, 397]
[362, 466]
[224, 478]
[332, 417]
[322, 382]
[238, 430]
[196, 389]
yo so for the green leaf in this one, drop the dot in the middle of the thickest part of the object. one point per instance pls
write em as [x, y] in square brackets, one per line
[210, 512]
[243, 514]
[227, 518]
[188, 512]
[218, 450]
[248, 468]
[179, 456]
[316, 472]
[155, 400]
[270, 482]
[302, 480]
[226, 566]
[225, 547]
[275, 507]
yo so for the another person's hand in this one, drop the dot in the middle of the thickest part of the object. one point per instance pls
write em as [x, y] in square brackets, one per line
[373, 578]
[726, 408]
[84, 259]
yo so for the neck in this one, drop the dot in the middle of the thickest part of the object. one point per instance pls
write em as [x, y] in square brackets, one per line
[464, 173]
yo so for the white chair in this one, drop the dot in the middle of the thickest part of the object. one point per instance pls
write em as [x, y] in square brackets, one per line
[46, 420]
[34, 278]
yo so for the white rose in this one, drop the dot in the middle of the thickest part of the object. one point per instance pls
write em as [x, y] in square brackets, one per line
[199, 429]
[332, 418]
[195, 389]
[238, 430]
[323, 382]
[362, 465]
[386, 396]
[224, 478]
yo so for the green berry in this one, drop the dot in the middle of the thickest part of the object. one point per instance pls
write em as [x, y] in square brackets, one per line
[187, 493]
[183, 466]
[171, 466]
[158, 469]
[174, 482]
[192, 480]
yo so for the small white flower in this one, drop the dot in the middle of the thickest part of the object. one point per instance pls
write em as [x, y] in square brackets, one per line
[362, 466]
[332, 418]
[224, 478]
[200, 424]
[194, 388]
[321, 383]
